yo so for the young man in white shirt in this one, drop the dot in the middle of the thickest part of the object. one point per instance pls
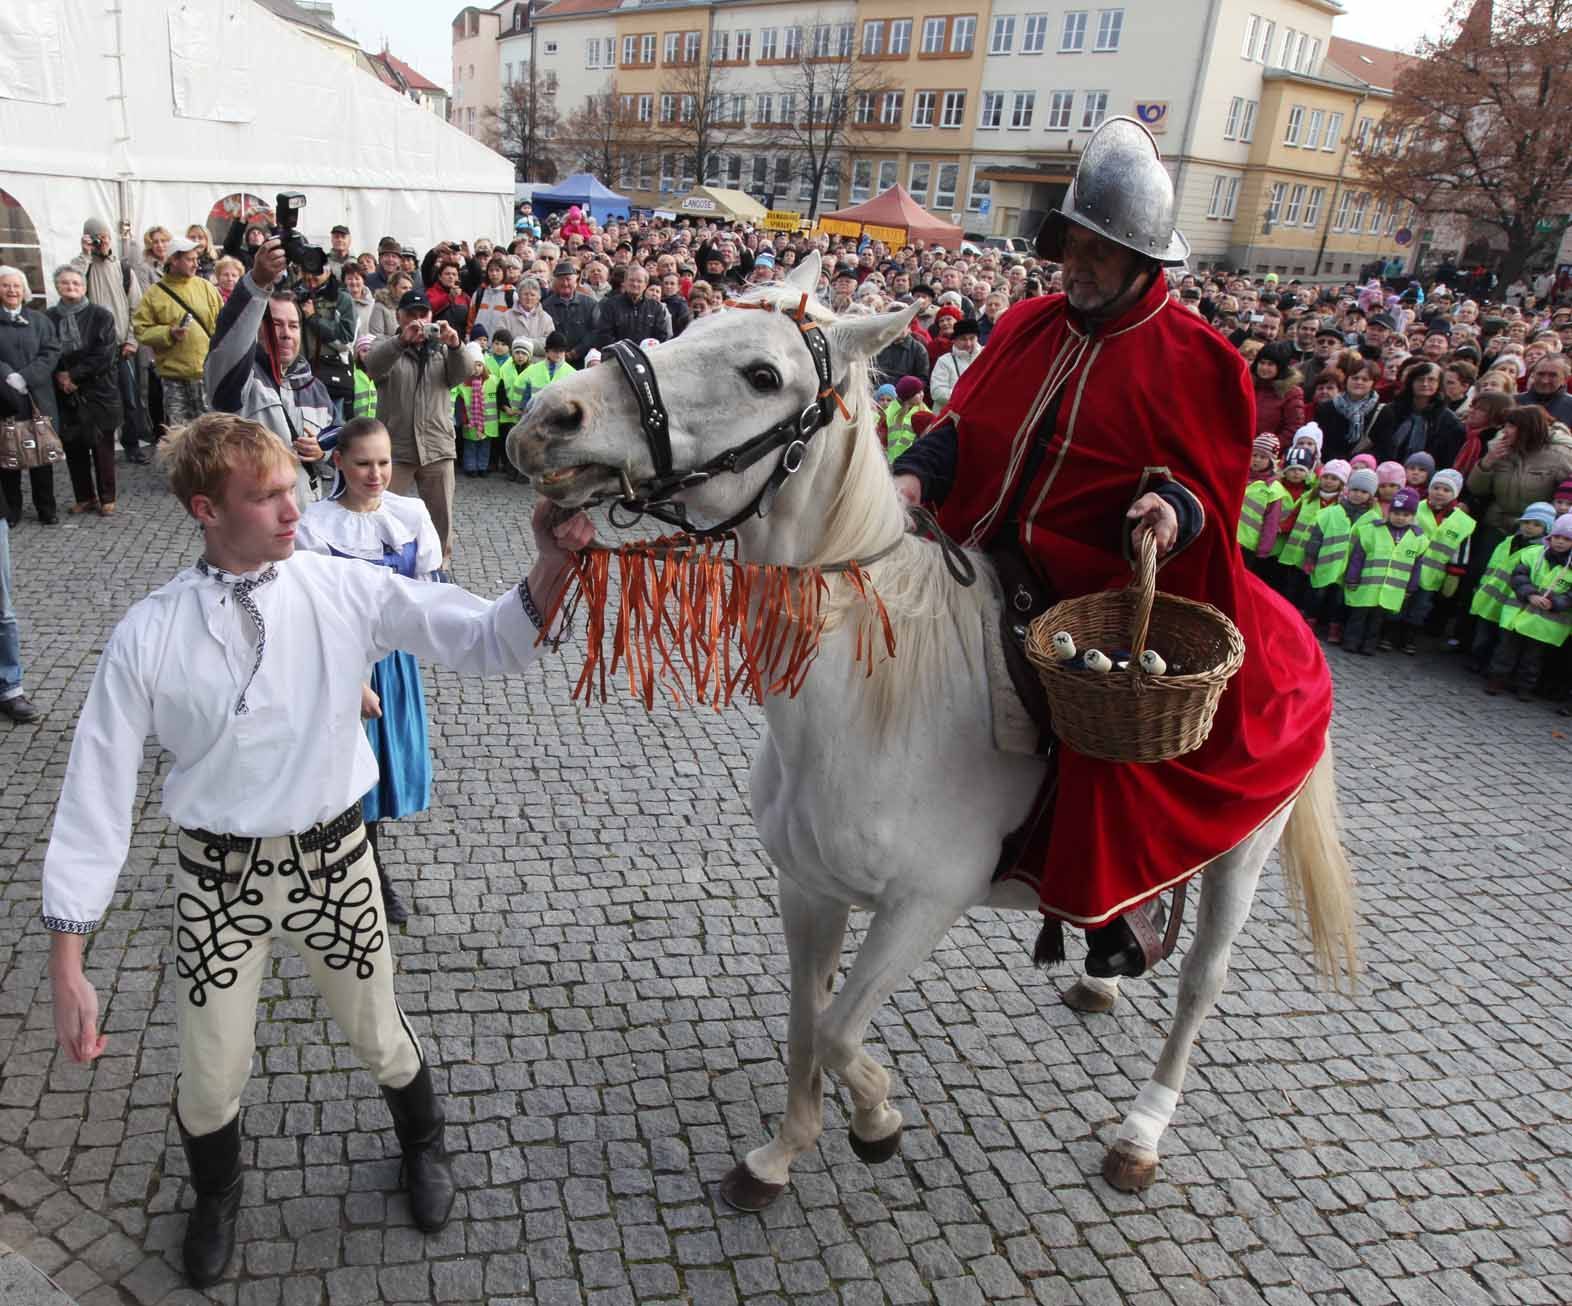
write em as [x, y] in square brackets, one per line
[248, 667]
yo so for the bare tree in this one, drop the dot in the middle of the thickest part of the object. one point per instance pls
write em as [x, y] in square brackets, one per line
[830, 101]
[697, 114]
[526, 126]
[1481, 125]
[599, 136]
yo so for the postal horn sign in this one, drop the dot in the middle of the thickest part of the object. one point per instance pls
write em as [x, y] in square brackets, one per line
[1153, 115]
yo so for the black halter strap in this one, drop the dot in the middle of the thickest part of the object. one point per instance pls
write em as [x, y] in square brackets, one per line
[790, 436]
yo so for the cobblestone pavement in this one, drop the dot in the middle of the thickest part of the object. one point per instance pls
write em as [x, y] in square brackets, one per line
[598, 974]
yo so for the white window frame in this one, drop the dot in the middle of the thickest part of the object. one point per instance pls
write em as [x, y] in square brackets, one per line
[670, 47]
[1023, 108]
[647, 48]
[1231, 122]
[920, 193]
[1378, 216]
[1247, 46]
[692, 47]
[892, 106]
[1247, 131]
[1312, 59]
[1061, 111]
[1034, 41]
[1296, 124]
[1001, 38]
[940, 204]
[889, 174]
[933, 33]
[1268, 33]
[1072, 32]
[974, 195]
[1313, 128]
[991, 116]
[764, 107]
[924, 106]
[873, 37]
[1089, 120]
[1110, 29]
[845, 40]
[646, 108]
[1286, 58]
[668, 108]
[1344, 208]
[744, 45]
[863, 108]
[1295, 205]
[791, 47]
[952, 110]
[1357, 218]
[1214, 205]
[1231, 203]
[1334, 132]
[1313, 203]
[963, 34]
[900, 37]
[630, 49]
[769, 42]
[1274, 204]
[861, 190]
[720, 47]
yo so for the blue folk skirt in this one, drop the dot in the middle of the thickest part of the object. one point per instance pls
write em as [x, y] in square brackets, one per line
[399, 741]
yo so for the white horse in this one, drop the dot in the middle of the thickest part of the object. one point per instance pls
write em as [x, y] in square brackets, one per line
[855, 783]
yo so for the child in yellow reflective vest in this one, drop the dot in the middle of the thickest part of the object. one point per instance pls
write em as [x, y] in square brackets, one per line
[1261, 513]
[1293, 583]
[1449, 528]
[1326, 551]
[1298, 467]
[475, 416]
[1390, 478]
[1538, 617]
[1494, 590]
[899, 434]
[1381, 586]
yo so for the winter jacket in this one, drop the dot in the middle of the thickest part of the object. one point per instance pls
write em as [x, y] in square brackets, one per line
[239, 373]
[947, 373]
[575, 318]
[384, 316]
[95, 403]
[111, 285]
[1338, 438]
[620, 318]
[488, 308]
[414, 389]
[160, 313]
[1279, 414]
[29, 345]
[1509, 486]
[533, 326]
[681, 314]
[1558, 406]
[1437, 432]
[903, 357]
[329, 330]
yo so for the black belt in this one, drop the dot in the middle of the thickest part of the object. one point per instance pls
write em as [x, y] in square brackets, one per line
[323, 838]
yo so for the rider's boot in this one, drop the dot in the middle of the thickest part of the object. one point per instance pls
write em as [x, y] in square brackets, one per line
[1112, 951]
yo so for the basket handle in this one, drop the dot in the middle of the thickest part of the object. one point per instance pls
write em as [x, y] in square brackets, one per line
[1144, 584]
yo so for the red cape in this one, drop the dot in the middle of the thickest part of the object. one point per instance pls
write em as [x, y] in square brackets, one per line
[1157, 395]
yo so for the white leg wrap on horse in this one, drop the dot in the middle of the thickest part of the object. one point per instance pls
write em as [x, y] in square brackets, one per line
[1149, 1117]
[1109, 988]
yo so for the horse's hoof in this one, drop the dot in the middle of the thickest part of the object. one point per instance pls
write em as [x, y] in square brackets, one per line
[877, 1150]
[1084, 998]
[742, 1191]
[1127, 1172]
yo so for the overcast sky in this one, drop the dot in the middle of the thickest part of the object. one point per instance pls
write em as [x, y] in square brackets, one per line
[417, 31]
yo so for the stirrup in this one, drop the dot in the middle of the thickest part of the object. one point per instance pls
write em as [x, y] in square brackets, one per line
[1152, 931]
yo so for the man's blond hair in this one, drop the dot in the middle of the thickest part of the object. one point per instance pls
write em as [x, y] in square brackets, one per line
[199, 456]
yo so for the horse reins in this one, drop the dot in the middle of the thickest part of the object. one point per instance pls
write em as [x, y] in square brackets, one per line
[791, 436]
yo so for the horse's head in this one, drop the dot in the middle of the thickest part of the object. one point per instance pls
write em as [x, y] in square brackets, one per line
[731, 377]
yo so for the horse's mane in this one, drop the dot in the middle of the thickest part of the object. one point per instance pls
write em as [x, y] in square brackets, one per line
[933, 616]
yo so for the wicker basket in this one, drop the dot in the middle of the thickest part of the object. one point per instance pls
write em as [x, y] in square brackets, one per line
[1129, 716]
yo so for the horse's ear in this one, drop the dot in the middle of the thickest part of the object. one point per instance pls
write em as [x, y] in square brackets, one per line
[805, 276]
[863, 337]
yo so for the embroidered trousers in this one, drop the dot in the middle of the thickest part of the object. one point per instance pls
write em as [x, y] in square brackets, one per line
[236, 897]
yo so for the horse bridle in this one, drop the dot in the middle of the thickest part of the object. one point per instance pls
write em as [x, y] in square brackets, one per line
[791, 436]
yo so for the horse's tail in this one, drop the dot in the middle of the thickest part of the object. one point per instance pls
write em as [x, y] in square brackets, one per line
[1320, 883]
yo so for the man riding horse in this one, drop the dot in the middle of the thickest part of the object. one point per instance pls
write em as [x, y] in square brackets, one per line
[1093, 416]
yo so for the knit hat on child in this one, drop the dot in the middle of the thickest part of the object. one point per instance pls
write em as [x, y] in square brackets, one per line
[1265, 444]
[1303, 457]
[1338, 468]
[1364, 479]
[1390, 474]
[1449, 476]
[1363, 460]
[1420, 459]
[1563, 526]
[1310, 431]
[1405, 500]
[1564, 490]
[1541, 512]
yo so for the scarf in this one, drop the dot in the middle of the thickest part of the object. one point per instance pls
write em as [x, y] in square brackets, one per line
[241, 588]
[70, 325]
[477, 403]
[1356, 412]
[1473, 450]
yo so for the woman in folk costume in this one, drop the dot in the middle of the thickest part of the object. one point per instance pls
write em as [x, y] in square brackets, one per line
[1066, 440]
[365, 520]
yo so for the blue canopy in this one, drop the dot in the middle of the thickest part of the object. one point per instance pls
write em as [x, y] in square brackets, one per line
[581, 189]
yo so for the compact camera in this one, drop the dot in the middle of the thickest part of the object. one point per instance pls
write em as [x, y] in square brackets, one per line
[433, 332]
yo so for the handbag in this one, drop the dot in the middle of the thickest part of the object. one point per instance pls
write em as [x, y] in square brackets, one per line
[337, 375]
[28, 442]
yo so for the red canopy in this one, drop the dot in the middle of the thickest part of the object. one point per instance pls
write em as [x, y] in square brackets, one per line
[894, 217]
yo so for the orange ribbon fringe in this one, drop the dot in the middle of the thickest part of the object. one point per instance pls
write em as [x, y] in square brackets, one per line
[701, 624]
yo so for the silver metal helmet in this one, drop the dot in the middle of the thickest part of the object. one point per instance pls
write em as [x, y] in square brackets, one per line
[1122, 192]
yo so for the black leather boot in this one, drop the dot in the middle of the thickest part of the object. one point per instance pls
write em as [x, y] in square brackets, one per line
[215, 1174]
[392, 905]
[1112, 951]
[427, 1174]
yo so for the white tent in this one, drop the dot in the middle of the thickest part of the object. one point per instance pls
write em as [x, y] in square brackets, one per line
[157, 110]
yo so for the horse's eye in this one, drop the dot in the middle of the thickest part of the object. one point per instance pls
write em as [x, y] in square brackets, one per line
[763, 377]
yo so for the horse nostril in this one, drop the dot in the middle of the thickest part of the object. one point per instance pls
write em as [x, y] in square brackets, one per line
[568, 417]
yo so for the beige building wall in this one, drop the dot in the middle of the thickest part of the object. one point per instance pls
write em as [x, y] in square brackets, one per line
[477, 85]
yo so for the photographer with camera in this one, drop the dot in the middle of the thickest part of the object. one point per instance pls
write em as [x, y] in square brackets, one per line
[415, 372]
[327, 322]
[255, 368]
